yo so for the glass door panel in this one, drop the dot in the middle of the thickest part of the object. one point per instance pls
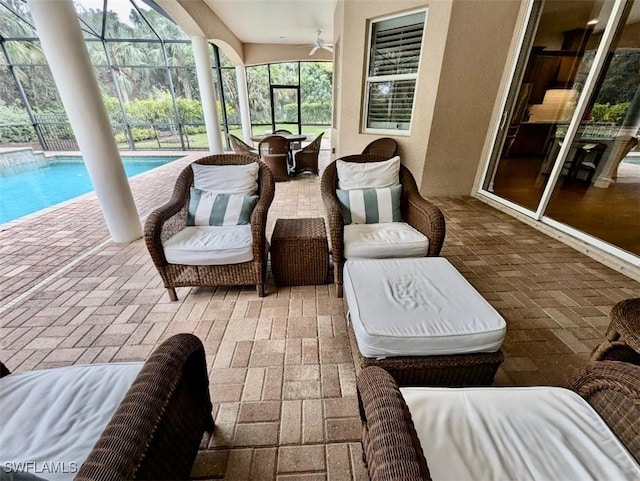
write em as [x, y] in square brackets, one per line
[553, 65]
[285, 108]
[598, 191]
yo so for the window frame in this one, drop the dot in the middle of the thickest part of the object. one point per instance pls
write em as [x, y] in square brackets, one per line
[371, 79]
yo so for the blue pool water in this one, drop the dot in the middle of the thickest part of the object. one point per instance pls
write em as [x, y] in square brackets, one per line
[31, 187]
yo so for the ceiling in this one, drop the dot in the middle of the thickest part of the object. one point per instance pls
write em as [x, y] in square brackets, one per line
[276, 21]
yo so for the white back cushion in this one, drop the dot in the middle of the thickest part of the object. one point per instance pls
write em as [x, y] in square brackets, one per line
[368, 175]
[229, 179]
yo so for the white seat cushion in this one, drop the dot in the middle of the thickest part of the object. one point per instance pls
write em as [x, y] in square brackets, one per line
[418, 307]
[52, 418]
[505, 434]
[379, 241]
[210, 245]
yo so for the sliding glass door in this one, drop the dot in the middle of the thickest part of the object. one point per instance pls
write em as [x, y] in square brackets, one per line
[565, 150]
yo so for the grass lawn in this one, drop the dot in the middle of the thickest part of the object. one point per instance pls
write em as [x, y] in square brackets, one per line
[199, 141]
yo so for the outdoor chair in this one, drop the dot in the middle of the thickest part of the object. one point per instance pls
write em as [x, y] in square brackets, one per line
[239, 147]
[539, 432]
[623, 335]
[385, 146]
[295, 145]
[589, 431]
[207, 234]
[274, 152]
[307, 158]
[116, 422]
[419, 230]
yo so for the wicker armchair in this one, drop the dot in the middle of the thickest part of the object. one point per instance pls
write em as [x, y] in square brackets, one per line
[156, 430]
[421, 214]
[307, 158]
[385, 146]
[274, 152]
[239, 147]
[623, 335]
[392, 449]
[293, 145]
[170, 218]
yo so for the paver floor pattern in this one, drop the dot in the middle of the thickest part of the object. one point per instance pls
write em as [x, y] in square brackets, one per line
[281, 367]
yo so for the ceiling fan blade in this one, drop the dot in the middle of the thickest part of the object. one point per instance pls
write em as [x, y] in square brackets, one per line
[313, 50]
[329, 48]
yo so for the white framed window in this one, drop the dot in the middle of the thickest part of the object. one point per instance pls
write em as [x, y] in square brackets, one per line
[395, 46]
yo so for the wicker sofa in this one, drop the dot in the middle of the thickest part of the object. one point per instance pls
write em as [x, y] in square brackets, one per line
[393, 450]
[403, 437]
[154, 432]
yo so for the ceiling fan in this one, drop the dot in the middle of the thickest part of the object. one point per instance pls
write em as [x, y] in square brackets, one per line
[319, 43]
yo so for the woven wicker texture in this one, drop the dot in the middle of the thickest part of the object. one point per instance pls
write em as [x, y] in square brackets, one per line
[170, 218]
[613, 389]
[385, 146]
[274, 152]
[392, 450]
[454, 370]
[299, 252]
[623, 334]
[416, 211]
[307, 158]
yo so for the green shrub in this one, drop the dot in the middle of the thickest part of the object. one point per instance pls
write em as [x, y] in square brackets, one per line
[15, 114]
[609, 113]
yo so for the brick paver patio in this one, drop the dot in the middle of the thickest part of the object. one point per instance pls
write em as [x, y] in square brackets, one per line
[281, 368]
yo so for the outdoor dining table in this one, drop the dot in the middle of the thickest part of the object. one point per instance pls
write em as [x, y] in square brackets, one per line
[291, 138]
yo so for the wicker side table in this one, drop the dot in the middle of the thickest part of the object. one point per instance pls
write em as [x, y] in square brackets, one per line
[299, 252]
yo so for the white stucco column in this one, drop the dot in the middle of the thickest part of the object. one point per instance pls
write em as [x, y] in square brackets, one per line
[66, 52]
[208, 96]
[243, 102]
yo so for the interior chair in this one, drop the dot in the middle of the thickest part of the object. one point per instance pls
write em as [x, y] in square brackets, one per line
[539, 432]
[239, 147]
[631, 143]
[419, 217]
[227, 255]
[115, 421]
[586, 159]
[274, 152]
[307, 158]
[385, 146]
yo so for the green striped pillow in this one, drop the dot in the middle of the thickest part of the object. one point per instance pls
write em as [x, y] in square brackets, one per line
[370, 206]
[211, 208]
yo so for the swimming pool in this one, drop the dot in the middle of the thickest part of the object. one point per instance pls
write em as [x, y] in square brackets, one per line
[28, 188]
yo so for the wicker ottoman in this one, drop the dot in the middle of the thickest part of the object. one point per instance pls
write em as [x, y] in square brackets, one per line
[420, 320]
[299, 252]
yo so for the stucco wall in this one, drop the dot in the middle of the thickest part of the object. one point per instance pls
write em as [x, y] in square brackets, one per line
[477, 45]
[464, 52]
[353, 40]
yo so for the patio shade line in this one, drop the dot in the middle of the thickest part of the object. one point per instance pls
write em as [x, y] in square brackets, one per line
[53, 276]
